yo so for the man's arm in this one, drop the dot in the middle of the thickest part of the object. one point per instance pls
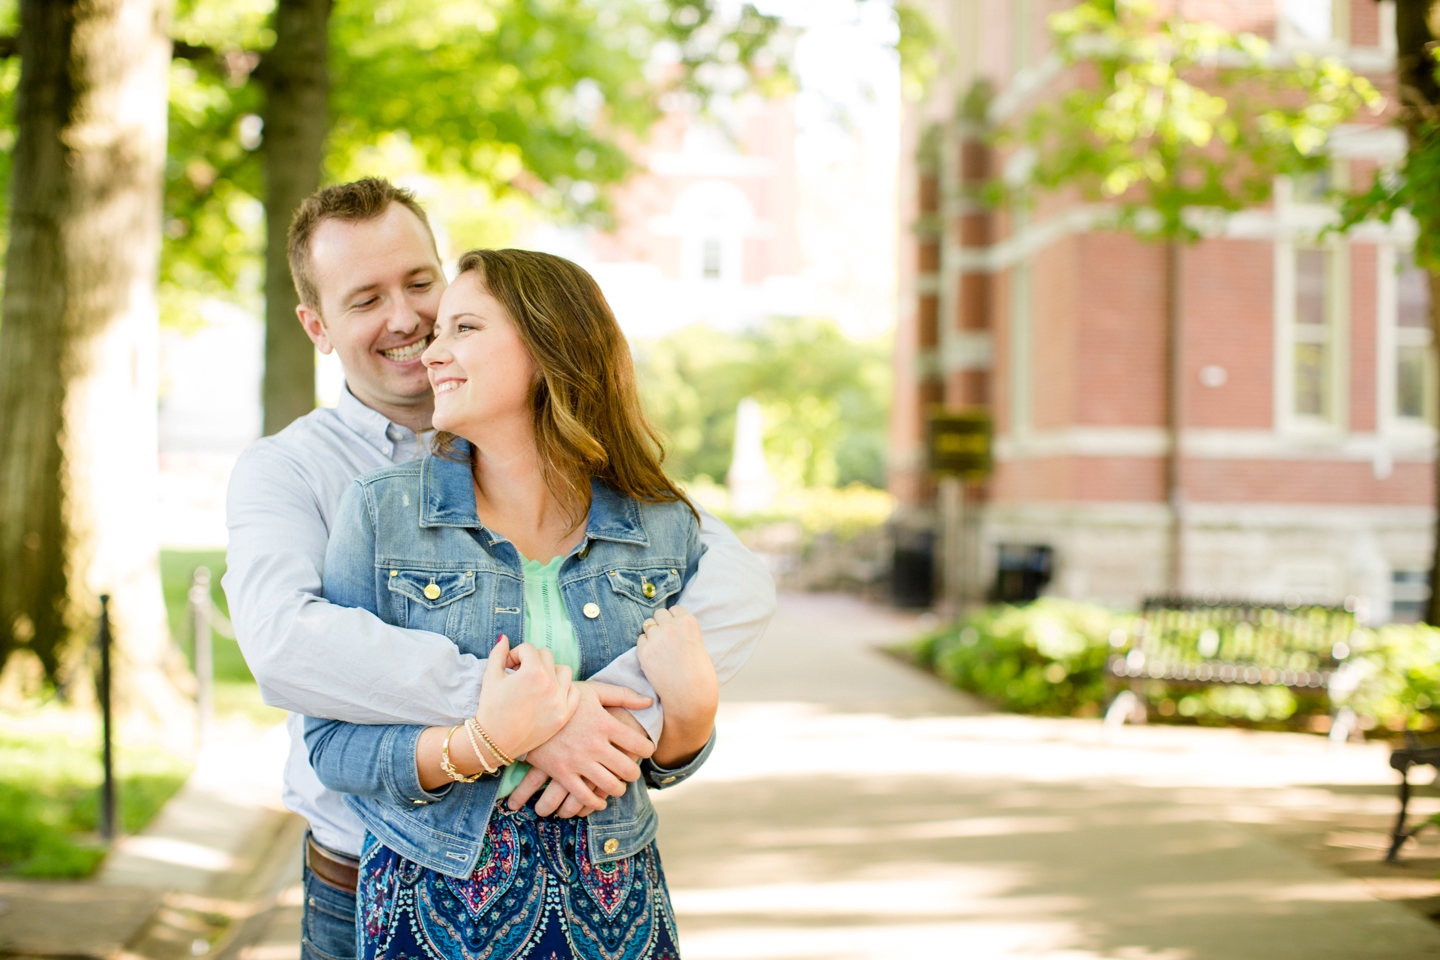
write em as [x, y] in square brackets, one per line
[732, 595]
[311, 656]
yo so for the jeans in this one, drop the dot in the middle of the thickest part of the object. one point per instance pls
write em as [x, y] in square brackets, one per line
[327, 931]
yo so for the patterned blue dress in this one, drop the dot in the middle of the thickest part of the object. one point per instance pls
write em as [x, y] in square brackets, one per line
[535, 894]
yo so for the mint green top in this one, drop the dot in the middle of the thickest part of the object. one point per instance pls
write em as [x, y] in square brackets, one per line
[547, 626]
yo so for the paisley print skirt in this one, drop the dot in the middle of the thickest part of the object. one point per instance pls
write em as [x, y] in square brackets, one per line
[535, 894]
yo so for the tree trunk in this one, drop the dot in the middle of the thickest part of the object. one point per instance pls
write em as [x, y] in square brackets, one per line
[1415, 21]
[297, 85]
[79, 345]
[1432, 609]
[1175, 414]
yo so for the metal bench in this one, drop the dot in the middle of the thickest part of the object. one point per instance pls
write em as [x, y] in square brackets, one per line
[1413, 754]
[1184, 641]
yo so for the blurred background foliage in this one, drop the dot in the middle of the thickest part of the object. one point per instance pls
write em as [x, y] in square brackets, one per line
[826, 400]
[516, 107]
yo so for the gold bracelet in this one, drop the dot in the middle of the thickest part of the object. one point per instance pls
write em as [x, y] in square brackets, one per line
[448, 767]
[471, 725]
[500, 755]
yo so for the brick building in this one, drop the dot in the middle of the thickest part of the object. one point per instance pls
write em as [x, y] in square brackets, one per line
[1306, 380]
[707, 232]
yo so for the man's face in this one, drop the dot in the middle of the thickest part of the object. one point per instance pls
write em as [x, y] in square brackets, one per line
[380, 283]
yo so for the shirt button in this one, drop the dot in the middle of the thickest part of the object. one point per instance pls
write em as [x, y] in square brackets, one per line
[612, 845]
[591, 610]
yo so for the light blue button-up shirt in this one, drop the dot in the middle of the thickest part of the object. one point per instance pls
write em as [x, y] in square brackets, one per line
[317, 659]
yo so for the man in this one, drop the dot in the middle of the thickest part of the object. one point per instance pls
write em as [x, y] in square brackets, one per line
[369, 277]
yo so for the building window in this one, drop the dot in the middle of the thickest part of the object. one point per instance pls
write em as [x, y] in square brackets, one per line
[1022, 32]
[1312, 22]
[1409, 593]
[1415, 374]
[1313, 396]
[710, 254]
[1311, 359]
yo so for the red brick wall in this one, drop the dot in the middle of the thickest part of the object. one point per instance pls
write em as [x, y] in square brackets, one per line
[1294, 481]
[1229, 322]
[1120, 342]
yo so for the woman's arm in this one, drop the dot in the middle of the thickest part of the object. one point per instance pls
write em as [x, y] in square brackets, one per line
[673, 655]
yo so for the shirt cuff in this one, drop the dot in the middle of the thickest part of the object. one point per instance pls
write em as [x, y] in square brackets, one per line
[402, 774]
[658, 777]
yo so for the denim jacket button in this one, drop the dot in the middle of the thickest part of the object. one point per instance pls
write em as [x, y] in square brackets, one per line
[667, 780]
[591, 610]
[612, 845]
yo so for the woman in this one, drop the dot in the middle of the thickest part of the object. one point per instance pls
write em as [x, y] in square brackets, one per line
[542, 515]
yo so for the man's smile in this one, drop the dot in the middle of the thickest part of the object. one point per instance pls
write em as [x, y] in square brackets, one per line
[408, 352]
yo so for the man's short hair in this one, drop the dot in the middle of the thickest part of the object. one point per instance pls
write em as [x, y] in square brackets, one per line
[366, 199]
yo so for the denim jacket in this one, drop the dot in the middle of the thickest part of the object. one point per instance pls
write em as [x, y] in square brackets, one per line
[403, 528]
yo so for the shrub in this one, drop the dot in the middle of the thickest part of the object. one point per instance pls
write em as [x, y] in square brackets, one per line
[1049, 658]
[1045, 658]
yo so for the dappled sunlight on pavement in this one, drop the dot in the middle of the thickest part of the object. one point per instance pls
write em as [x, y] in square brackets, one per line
[914, 825]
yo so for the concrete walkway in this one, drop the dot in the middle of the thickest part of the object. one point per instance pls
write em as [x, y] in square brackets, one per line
[857, 809]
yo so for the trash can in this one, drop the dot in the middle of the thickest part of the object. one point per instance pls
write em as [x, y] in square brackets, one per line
[1022, 571]
[912, 583]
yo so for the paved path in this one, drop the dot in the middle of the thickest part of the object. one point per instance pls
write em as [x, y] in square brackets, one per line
[858, 809]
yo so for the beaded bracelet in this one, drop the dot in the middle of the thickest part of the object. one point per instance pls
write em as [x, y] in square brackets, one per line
[470, 726]
[448, 767]
[500, 755]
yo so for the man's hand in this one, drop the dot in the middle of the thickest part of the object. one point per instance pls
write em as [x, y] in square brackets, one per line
[591, 757]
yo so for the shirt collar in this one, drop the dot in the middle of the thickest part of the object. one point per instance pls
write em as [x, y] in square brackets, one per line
[370, 424]
[390, 438]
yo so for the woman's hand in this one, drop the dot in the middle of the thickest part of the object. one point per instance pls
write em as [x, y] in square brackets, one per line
[525, 698]
[674, 660]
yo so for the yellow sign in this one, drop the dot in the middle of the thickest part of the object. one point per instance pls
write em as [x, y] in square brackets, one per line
[960, 442]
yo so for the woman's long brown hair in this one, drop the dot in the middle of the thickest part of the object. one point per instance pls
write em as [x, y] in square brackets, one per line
[587, 413]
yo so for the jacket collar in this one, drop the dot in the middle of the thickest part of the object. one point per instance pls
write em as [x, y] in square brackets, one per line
[447, 499]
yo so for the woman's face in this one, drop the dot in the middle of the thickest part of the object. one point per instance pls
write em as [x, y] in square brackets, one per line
[479, 368]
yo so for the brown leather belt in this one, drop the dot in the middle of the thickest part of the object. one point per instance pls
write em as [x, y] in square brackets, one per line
[335, 869]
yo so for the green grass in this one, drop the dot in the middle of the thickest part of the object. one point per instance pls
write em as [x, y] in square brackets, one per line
[50, 799]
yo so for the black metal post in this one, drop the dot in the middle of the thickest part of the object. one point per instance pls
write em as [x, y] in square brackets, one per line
[107, 791]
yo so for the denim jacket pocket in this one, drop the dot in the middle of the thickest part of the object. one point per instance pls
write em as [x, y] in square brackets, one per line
[649, 588]
[428, 599]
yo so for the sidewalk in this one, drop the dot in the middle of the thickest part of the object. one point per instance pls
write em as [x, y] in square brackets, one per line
[856, 809]
[216, 872]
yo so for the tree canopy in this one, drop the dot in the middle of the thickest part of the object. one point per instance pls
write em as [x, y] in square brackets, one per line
[1173, 115]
